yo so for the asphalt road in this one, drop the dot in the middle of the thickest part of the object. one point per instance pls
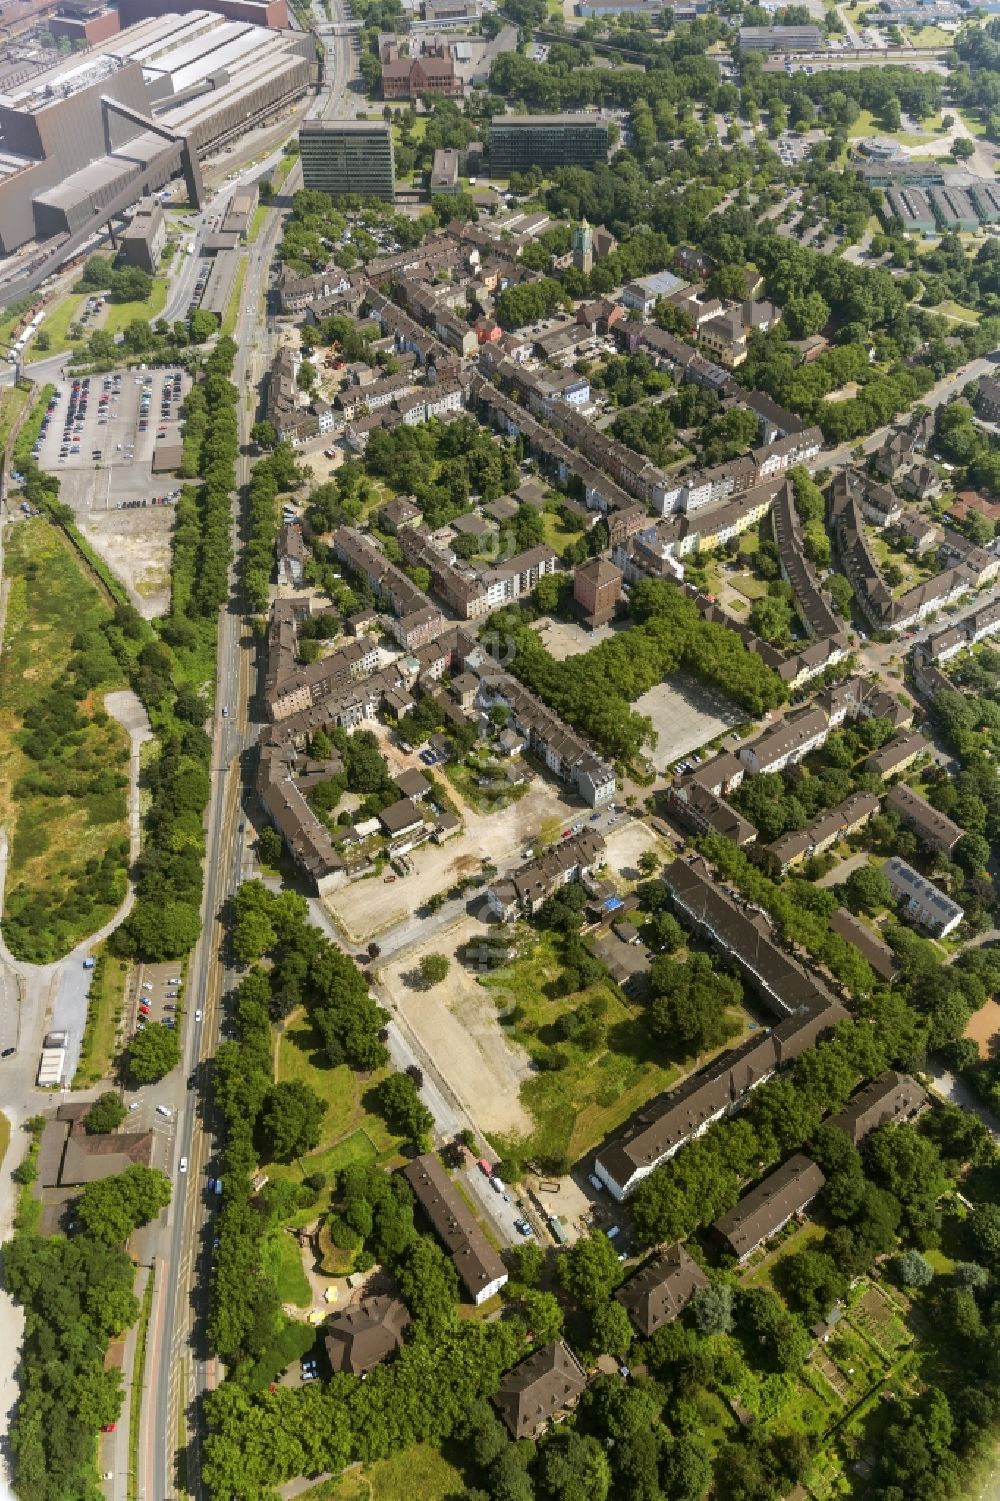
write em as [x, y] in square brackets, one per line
[179, 1370]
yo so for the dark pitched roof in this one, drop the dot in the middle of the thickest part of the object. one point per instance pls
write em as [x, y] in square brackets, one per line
[890, 1097]
[767, 1207]
[878, 954]
[476, 1262]
[400, 816]
[661, 1291]
[360, 1337]
[539, 1388]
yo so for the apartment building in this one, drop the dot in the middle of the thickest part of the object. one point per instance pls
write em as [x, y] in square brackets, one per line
[806, 1007]
[766, 1209]
[932, 828]
[926, 903]
[527, 888]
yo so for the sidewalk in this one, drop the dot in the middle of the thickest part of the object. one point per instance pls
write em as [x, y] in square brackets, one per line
[114, 1447]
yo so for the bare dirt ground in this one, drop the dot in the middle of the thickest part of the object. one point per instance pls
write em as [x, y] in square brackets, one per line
[564, 639]
[984, 1029]
[456, 1023]
[626, 843]
[136, 544]
[367, 908]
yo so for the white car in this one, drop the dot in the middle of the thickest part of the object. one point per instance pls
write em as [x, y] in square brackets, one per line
[147, 984]
[134, 1106]
[165, 1111]
[183, 1165]
[197, 1016]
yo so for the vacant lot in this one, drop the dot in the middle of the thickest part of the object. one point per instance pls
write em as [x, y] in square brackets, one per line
[563, 639]
[458, 1025]
[685, 716]
[984, 1029]
[133, 538]
[371, 906]
[594, 1090]
[65, 806]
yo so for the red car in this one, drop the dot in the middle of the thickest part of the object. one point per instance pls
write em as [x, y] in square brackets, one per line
[109, 1427]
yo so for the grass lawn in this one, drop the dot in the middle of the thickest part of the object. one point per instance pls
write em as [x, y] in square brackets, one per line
[56, 325]
[868, 124]
[73, 811]
[750, 587]
[118, 315]
[557, 534]
[281, 1257]
[418, 1472]
[928, 36]
[956, 312]
[4, 1136]
[483, 799]
[13, 400]
[104, 1007]
[973, 125]
[257, 222]
[282, 170]
[350, 1132]
[235, 297]
[577, 1106]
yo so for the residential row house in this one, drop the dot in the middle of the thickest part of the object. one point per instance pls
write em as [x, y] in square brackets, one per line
[524, 891]
[805, 1009]
[825, 829]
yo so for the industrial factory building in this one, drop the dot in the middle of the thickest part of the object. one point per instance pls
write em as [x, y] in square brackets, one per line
[91, 135]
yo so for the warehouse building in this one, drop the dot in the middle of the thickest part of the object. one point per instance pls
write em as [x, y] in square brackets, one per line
[348, 156]
[518, 142]
[87, 138]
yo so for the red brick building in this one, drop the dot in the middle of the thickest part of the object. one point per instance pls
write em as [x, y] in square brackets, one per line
[409, 77]
[597, 589]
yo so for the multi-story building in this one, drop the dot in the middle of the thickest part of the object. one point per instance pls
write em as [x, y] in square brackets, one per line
[789, 741]
[597, 588]
[761, 1213]
[348, 156]
[144, 238]
[802, 1002]
[932, 828]
[926, 903]
[517, 142]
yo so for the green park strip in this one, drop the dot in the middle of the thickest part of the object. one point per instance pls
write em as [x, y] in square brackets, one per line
[231, 318]
[105, 1002]
[138, 1380]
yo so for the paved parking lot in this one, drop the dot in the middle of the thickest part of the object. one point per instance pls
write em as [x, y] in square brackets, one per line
[122, 508]
[685, 716]
[112, 420]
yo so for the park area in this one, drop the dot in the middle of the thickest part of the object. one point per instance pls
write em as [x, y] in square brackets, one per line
[63, 758]
[350, 1133]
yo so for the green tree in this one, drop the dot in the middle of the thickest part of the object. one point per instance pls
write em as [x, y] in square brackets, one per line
[589, 1270]
[105, 1114]
[912, 1270]
[270, 845]
[429, 1283]
[291, 1121]
[433, 969]
[152, 1053]
[866, 889]
[712, 1309]
[572, 1467]
[399, 1101]
[113, 1207]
